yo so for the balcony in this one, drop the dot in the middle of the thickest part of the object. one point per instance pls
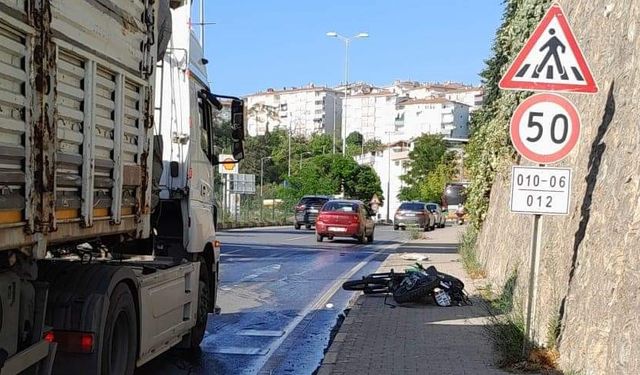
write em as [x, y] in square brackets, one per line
[399, 121]
[366, 159]
[399, 155]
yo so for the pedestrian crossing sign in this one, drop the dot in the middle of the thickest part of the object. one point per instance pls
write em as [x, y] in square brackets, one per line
[550, 60]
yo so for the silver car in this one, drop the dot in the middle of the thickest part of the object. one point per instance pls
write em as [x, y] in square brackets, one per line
[414, 214]
[436, 210]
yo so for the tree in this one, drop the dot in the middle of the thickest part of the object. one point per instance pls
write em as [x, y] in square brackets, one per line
[320, 144]
[327, 174]
[433, 186]
[373, 145]
[354, 138]
[363, 183]
[427, 153]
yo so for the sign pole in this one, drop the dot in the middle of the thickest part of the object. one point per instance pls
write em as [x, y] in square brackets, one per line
[536, 239]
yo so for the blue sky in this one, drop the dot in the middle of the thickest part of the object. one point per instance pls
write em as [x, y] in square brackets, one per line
[258, 44]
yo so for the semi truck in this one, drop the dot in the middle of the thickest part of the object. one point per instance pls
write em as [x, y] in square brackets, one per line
[108, 253]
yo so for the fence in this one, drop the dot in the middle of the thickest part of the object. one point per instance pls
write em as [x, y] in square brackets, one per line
[249, 210]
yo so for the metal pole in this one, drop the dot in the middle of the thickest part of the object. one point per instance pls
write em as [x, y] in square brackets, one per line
[534, 267]
[224, 195]
[334, 124]
[388, 176]
[202, 24]
[261, 183]
[289, 158]
[346, 85]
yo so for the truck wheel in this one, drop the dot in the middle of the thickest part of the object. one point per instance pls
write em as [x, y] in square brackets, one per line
[120, 336]
[204, 302]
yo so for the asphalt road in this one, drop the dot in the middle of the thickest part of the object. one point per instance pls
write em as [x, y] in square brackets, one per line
[280, 297]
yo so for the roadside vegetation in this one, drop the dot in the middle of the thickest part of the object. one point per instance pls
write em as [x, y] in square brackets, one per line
[468, 254]
[292, 166]
[489, 150]
[429, 169]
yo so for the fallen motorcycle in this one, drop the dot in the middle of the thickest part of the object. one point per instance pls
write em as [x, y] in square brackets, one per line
[416, 284]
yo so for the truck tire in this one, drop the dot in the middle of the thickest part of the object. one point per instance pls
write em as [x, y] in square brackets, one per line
[204, 305]
[120, 336]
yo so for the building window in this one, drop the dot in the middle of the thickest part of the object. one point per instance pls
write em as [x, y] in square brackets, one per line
[283, 107]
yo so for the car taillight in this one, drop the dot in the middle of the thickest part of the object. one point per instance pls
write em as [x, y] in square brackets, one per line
[300, 207]
[70, 341]
[355, 219]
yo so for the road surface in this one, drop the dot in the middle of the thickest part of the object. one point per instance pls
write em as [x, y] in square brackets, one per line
[280, 297]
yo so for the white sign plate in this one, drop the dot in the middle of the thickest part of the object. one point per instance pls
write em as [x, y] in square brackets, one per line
[538, 190]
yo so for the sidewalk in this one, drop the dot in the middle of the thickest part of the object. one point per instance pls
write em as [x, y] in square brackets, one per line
[416, 338]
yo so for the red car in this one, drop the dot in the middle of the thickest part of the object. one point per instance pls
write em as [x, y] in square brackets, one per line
[345, 218]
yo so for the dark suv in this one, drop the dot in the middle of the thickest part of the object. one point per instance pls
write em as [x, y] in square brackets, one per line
[307, 210]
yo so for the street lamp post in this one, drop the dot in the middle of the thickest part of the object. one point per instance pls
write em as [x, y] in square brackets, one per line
[388, 175]
[262, 181]
[347, 41]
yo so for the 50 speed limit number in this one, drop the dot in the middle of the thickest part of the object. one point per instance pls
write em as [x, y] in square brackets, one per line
[545, 128]
[537, 190]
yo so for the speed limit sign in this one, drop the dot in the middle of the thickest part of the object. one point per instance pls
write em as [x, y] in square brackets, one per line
[545, 128]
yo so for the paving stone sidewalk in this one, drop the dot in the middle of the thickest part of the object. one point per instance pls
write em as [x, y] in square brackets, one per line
[416, 338]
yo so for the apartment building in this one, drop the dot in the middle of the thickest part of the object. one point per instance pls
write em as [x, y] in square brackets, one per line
[304, 111]
[434, 115]
[371, 114]
[389, 164]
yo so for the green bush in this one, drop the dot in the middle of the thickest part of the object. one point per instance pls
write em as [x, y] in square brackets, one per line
[467, 253]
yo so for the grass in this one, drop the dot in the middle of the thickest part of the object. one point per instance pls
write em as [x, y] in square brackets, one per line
[507, 333]
[415, 233]
[468, 254]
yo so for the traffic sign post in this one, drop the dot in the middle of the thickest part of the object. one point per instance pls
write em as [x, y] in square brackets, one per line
[544, 129]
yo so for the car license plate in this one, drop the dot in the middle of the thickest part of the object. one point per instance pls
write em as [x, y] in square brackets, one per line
[313, 211]
[337, 229]
[411, 215]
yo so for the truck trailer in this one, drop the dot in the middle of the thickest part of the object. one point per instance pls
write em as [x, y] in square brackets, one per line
[108, 254]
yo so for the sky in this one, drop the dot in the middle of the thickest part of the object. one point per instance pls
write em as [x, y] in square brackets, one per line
[260, 44]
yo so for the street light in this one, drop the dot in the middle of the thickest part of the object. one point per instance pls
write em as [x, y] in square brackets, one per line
[333, 34]
[262, 181]
[388, 174]
[304, 153]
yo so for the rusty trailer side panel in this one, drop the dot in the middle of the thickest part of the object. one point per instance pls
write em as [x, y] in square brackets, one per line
[75, 120]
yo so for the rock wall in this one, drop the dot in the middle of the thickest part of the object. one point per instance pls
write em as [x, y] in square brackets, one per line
[590, 265]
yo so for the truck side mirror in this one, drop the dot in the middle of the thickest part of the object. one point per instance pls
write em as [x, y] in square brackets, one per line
[237, 150]
[237, 120]
[174, 168]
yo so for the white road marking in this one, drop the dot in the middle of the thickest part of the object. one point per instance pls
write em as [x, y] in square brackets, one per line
[260, 332]
[239, 350]
[296, 238]
[321, 302]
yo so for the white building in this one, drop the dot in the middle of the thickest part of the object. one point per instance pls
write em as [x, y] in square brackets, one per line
[371, 114]
[434, 115]
[305, 110]
[471, 96]
[389, 164]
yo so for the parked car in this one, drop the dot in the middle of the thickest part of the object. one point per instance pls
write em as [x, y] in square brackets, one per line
[307, 209]
[436, 210]
[414, 214]
[345, 218]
